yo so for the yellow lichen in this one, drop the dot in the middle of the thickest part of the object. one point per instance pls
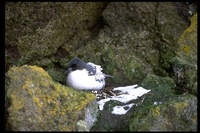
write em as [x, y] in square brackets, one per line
[186, 49]
[82, 97]
[16, 102]
[192, 28]
[37, 101]
[180, 106]
[41, 71]
[194, 119]
[155, 111]
[46, 97]
[194, 22]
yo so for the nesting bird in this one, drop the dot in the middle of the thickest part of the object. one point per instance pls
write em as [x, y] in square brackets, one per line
[85, 76]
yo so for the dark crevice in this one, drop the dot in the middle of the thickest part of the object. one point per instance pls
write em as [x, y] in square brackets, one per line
[61, 53]
[181, 81]
[183, 9]
[161, 44]
[95, 29]
[57, 66]
[12, 55]
[157, 39]
[100, 23]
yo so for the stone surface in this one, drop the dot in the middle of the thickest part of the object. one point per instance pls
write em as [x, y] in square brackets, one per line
[162, 89]
[39, 30]
[138, 38]
[152, 43]
[128, 39]
[179, 114]
[40, 104]
[185, 63]
[188, 43]
[163, 110]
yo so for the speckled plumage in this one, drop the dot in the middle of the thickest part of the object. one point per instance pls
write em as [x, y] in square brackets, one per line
[85, 76]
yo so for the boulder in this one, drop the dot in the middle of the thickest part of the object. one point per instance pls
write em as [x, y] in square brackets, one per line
[179, 114]
[40, 104]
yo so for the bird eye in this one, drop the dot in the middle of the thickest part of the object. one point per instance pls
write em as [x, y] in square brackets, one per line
[73, 65]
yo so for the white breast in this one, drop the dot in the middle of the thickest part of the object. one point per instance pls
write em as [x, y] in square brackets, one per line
[80, 80]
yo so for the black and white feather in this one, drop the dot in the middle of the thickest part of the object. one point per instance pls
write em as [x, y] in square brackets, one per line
[85, 76]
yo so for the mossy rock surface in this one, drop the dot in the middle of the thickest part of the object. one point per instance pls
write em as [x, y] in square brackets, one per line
[179, 114]
[40, 104]
[185, 63]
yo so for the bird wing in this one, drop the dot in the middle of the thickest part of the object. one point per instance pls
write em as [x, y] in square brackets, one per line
[91, 69]
[95, 70]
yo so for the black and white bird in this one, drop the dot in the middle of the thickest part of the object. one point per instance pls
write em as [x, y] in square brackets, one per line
[85, 76]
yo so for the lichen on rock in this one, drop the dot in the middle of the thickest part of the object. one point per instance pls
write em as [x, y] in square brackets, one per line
[185, 63]
[179, 114]
[188, 43]
[40, 104]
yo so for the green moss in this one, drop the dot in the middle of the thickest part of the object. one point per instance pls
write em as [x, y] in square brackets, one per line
[39, 34]
[138, 122]
[185, 64]
[170, 116]
[185, 76]
[161, 89]
[58, 75]
[40, 99]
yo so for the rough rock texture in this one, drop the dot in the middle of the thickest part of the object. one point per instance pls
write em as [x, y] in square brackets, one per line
[38, 30]
[40, 104]
[179, 114]
[185, 63]
[138, 38]
[188, 43]
[133, 41]
[129, 40]
[162, 89]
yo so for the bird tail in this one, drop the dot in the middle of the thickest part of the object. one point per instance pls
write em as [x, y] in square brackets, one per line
[106, 75]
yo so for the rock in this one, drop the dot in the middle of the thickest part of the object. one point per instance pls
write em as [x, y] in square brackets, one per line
[42, 32]
[162, 89]
[129, 40]
[40, 104]
[188, 43]
[185, 63]
[179, 114]
[161, 92]
[138, 38]
[162, 110]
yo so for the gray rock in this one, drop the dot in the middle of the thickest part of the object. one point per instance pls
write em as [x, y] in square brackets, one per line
[185, 63]
[132, 41]
[162, 89]
[179, 114]
[40, 104]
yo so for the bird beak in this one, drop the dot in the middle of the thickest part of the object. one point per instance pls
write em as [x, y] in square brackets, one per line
[68, 70]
